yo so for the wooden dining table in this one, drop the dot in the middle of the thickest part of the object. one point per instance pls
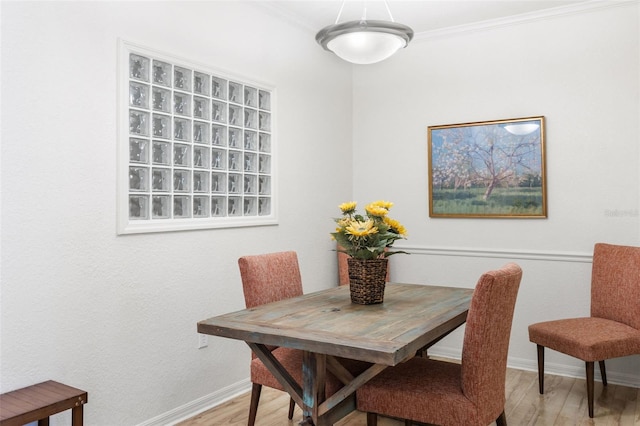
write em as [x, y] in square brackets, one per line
[326, 326]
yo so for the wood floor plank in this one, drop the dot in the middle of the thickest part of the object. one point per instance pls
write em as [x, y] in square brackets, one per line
[519, 385]
[524, 411]
[637, 413]
[563, 404]
[575, 406]
[556, 392]
[629, 403]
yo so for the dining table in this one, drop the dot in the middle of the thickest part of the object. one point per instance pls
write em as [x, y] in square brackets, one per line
[326, 326]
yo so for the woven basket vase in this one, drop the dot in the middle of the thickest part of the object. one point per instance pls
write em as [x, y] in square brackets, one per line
[367, 280]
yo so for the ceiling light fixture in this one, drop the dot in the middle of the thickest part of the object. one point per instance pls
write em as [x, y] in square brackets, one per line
[364, 42]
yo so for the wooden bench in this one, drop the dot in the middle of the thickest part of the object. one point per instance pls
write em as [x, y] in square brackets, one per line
[40, 401]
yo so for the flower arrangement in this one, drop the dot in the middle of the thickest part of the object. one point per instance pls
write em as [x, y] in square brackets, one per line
[369, 236]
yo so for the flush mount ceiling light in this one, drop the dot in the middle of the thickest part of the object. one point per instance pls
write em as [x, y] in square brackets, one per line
[364, 42]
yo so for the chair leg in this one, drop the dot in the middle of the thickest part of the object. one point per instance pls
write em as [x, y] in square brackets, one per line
[372, 419]
[589, 368]
[253, 406]
[501, 420]
[292, 405]
[603, 373]
[541, 368]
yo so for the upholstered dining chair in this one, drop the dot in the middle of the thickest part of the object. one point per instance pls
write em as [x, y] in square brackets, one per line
[343, 268]
[268, 278]
[450, 394]
[613, 328]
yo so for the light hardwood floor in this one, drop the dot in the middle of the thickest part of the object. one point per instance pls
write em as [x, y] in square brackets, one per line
[564, 403]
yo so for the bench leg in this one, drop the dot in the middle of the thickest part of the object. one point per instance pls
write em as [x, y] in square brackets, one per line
[77, 415]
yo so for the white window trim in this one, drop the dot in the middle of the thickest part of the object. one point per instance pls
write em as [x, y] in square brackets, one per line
[150, 223]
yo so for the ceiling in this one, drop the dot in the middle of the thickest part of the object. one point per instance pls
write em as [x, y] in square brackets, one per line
[420, 15]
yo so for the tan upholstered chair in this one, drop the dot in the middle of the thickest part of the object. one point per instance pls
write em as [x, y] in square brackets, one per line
[612, 330]
[444, 393]
[268, 278]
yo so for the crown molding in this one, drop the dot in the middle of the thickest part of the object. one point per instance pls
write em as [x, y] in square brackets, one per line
[583, 7]
[283, 13]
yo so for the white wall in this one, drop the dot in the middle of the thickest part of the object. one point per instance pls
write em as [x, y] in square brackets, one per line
[581, 71]
[116, 315]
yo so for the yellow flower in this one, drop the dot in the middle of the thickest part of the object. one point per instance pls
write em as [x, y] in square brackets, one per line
[361, 229]
[367, 236]
[343, 222]
[348, 208]
[376, 210]
[396, 226]
[384, 204]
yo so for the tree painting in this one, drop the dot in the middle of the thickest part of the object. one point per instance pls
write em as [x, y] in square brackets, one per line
[490, 169]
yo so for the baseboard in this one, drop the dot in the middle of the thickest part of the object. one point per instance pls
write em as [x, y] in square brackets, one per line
[630, 380]
[199, 405]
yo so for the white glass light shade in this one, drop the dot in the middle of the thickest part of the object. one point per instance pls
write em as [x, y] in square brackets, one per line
[522, 128]
[366, 47]
[364, 42]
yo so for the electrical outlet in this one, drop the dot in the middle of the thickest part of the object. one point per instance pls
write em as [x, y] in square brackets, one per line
[202, 341]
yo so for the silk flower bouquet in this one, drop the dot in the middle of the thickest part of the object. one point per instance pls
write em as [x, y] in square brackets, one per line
[368, 236]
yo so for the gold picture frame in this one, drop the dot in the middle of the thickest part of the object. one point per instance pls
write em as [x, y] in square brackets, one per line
[489, 169]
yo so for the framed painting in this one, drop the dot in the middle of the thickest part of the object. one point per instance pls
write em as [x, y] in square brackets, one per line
[491, 169]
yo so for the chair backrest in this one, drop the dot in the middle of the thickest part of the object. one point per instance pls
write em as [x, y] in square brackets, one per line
[486, 338]
[270, 277]
[615, 283]
[343, 268]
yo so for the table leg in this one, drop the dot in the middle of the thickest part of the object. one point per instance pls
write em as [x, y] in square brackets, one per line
[317, 409]
[278, 371]
[314, 370]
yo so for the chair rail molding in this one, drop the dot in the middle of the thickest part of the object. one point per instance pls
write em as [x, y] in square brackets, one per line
[546, 256]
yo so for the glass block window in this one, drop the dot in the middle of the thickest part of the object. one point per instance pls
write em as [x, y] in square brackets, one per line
[197, 146]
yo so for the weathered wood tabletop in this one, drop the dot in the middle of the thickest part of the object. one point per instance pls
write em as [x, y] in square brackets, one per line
[326, 324]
